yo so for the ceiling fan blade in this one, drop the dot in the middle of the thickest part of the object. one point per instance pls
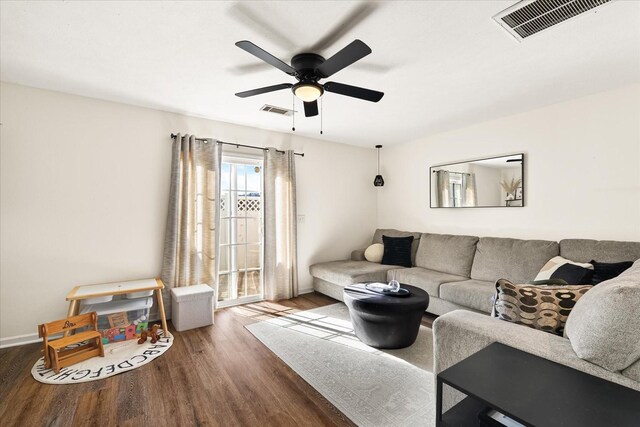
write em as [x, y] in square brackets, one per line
[372, 68]
[255, 18]
[353, 91]
[311, 109]
[348, 23]
[265, 56]
[253, 67]
[353, 52]
[261, 90]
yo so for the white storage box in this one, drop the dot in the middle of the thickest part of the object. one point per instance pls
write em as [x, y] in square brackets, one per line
[191, 307]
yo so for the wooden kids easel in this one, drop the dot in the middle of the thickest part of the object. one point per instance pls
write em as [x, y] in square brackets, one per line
[56, 355]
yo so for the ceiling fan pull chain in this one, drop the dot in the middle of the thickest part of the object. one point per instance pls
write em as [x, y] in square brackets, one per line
[321, 114]
[293, 112]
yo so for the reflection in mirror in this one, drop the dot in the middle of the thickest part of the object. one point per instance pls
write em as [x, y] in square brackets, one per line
[492, 182]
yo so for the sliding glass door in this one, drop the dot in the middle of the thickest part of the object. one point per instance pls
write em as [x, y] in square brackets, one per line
[241, 243]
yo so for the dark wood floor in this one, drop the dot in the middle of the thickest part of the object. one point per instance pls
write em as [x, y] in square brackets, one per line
[216, 376]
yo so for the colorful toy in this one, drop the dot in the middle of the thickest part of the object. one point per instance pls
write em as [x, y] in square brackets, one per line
[118, 320]
[143, 336]
[130, 332]
[154, 334]
[142, 326]
[110, 334]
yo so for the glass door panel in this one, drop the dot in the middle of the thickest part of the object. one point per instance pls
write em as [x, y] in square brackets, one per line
[241, 245]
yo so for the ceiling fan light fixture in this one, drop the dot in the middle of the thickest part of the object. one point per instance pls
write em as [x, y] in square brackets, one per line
[308, 91]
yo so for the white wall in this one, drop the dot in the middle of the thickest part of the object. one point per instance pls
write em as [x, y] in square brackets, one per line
[84, 191]
[84, 187]
[582, 172]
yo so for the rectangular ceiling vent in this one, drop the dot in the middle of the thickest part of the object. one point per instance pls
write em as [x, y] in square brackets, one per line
[529, 17]
[276, 110]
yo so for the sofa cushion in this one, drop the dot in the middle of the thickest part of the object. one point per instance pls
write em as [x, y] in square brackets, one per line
[422, 278]
[447, 253]
[347, 272]
[584, 250]
[377, 238]
[476, 294]
[604, 326]
[516, 260]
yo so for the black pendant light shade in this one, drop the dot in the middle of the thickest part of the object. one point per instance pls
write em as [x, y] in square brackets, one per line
[378, 181]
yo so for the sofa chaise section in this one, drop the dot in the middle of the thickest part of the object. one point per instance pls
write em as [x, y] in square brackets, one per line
[331, 277]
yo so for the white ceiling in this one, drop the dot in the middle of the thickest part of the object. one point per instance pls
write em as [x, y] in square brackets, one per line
[441, 64]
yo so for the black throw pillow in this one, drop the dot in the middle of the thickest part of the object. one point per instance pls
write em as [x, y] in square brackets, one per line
[397, 251]
[608, 270]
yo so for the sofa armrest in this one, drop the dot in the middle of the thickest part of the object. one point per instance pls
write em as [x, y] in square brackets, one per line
[358, 255]
[459, 334]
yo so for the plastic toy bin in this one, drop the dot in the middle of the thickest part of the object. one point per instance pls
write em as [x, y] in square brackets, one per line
[120, 319]
[191, 307]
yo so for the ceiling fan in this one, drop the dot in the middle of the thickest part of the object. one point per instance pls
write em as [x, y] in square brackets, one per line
[308, 69]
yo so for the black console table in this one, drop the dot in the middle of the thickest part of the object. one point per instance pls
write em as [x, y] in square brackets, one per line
[533, 391]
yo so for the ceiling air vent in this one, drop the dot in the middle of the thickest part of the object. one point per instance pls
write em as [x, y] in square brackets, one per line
[529, 17]
[276, 110]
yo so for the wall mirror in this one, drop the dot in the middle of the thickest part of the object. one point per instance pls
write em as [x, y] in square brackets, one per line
[483, 183]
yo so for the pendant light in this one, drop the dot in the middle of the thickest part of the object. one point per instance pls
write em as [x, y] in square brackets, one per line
[378, 181]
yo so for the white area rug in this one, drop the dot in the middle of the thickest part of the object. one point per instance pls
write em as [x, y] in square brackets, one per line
[372, 387]
[118, 358]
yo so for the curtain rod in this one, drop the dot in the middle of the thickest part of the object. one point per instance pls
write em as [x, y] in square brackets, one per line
[444, 170]
[173, 136]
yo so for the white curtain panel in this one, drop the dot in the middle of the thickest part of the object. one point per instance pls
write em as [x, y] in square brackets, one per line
[280, 234]
[469, 192]
[442, 188]
[191, 240]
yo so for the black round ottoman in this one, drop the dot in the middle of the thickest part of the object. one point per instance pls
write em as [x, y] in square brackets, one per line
[383, 321]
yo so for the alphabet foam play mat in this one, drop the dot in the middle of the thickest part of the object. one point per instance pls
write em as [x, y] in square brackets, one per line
[118, 357]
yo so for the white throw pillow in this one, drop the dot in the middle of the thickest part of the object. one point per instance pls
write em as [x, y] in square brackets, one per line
[374, 252]
[559, 268]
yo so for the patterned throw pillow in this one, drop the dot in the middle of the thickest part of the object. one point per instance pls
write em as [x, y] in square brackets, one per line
[573, 273]
[545, 308]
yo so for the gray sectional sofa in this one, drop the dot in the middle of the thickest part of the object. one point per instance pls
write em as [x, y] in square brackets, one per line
[459, 272]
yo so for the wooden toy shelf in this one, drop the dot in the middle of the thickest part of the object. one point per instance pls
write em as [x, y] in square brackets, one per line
[117, 288]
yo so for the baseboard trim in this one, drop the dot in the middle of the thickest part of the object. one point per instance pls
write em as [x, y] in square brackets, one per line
[305, 291]
[19, 340]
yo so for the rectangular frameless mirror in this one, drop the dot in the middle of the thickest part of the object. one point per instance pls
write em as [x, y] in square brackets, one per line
[482, 183]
